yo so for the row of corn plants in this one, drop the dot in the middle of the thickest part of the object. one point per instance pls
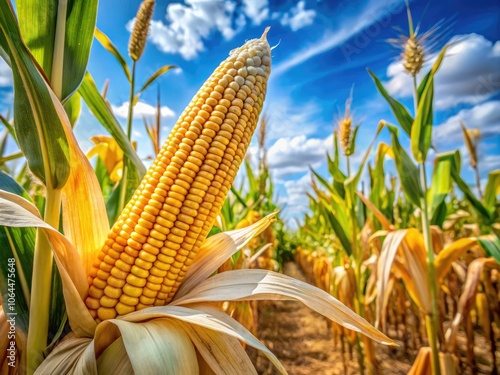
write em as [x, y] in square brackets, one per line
[404, 238]
[115, 263]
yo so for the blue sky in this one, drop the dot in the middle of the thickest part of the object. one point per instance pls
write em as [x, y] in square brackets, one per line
[324, 50]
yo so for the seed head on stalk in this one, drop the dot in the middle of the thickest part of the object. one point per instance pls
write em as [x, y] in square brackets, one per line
[413, 55]
[140, 31]
[415, 47]
[345, 129]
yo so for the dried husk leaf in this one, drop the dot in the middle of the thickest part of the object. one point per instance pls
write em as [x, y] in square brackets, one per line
[217, 249]
[422, 364]
[468, 297]
[18, 212]
[243, 285]
[167, 348]
[114, 360]
[451, 253]
[209, 317]
[64, 358]
[224, 354]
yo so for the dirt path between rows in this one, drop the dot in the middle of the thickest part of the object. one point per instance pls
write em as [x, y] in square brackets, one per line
[302, 341]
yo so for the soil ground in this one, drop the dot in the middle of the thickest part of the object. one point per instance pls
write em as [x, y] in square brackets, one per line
[302, 341]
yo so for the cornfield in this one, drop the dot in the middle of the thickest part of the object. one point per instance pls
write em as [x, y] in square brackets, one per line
[113, 264]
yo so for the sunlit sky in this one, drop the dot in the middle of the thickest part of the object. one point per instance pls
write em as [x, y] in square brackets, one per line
[324, 48]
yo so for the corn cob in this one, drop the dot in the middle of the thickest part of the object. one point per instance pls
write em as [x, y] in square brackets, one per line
[157, 236]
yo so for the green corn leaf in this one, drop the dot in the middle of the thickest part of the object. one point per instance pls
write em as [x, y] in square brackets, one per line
[102, 112]
[333, 165]
[58, 316]
[378, 189]
[407, 171]
[352, 182]
[73, 108]
[410, 21]
[491, 245]
[352, 145]
[339, 231]
[492, 190]
[110, 47]
[59, 34]
[133, 181]
[400, 112]
[475, 203]
[439, 215]
[3, 143]
[435, 67]
[155, 76]
[480, 209]
[6, 158]
[339, 188]
[421, 130]
[238, 197]
[103, 177]
[252, 182]
[336, 151]
[441, 179]
[322, 181]
[38, 125]
[9, 128]
[19, 244]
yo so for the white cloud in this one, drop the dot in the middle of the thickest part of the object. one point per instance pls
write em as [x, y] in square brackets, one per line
[256, 10]
[286, 117]
[348, 27]
[188, 25]
[5, 74]
[137, 134]
[489, 163]
[298, 17]
[297, 202]
[469, 73]
[485, 117]
[178, 70]
[7, 98]
[142, 109]
[288, 156]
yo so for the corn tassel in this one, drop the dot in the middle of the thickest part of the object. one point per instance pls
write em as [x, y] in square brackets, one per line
[158, 234]
[139, 34]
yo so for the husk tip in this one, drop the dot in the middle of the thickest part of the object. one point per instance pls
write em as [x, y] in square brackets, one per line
[264, 35]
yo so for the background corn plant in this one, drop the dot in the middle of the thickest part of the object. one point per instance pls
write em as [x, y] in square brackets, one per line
[403, 237]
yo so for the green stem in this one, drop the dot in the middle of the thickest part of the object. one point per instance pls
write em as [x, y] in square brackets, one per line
[41, 285]
[478, 181]
[432, 318]
[56, 77]
[415, 95]
[123, 186]
[14, 156]
[358, 304]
